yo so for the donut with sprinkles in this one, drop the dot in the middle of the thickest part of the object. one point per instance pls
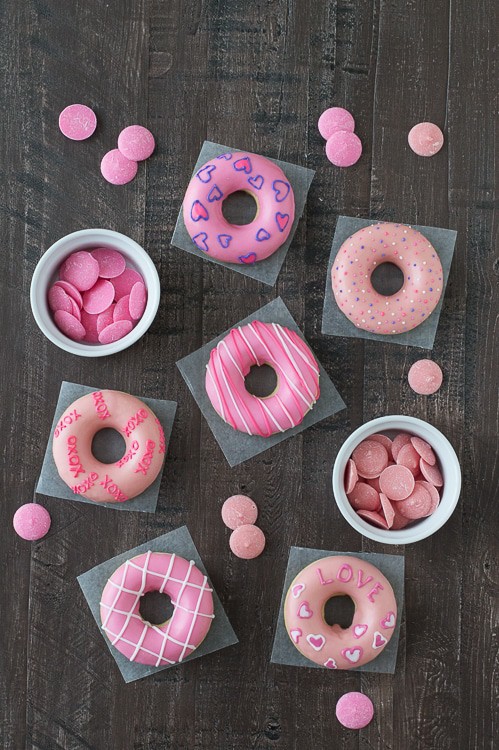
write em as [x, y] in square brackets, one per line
[369, 248]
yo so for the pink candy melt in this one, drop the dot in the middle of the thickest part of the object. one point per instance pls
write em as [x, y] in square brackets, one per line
[426, 139]
[351, 476]
[239, 510]
[99, 298]
[124, 282]
[364, 497]
[115, 331]
[247, 542]
[122, 309]
[137, 300]
[343, 149]
[117, 169]
[370, 458]
[69, 325]
[81, 270]
[136, 142]
[354, 710]
[77, 122]
[425, 377]
[31, 521]
[59, 300]
[111, 262]
[333, 119]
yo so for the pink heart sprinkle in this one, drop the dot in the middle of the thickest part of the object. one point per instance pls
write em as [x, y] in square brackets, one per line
[359, 630]
[297, 589]
[296, 634]
[388, 620]
[304, 611]
[317, 641]
[379, 640]
[352, 654]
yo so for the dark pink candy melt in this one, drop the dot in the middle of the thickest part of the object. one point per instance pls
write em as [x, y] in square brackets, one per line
[124, 282]
[111, 262]
[343, 148]
[59, 300]
[136, 142]
[138, 299]
[77, 122]
[117, 169]
[81, 270]
[69, 325]
[333, 119]
[122, 309]
[99, 298]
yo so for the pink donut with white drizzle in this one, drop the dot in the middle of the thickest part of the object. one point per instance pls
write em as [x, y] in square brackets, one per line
[173, 640]
[231, 243]
[259, 344]
[144, 446]
[367, 249]
[373, 623]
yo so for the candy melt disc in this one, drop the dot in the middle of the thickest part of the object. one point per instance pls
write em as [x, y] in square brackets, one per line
[409, 457]
[351, 476]
[333, 119]
[425, 377]
[80, 270]
[343, 149]
[136, 142]
[99, 298]
[370, 458]
[69, 325]
[364, 497]
[31, 521]
[59, 300]
[115, 331]
[239, 510]
[77, 122]
[247, 542]
[425, 139]
[111, 262]
[396, 482]
[417, 505]
[373, 517]
[354, 710]
[117, 169]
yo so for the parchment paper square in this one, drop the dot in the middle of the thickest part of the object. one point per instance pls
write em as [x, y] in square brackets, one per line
[392, 566]
[238, 446]
[335, 323]
[179, 542]
[50, 483]
[267, 271]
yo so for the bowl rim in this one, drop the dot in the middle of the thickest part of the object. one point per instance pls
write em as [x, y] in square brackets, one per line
[135, 254]
[426, 526]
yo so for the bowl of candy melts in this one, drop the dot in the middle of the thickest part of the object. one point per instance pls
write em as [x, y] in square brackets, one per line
[94, 292]
[396, 479]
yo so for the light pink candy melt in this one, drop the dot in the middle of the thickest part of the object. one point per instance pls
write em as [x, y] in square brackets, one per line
[111, 262]
[105, 319]
[425, 377]
[122, 309]
[117, 169]
[239, 510]
[124, 282]
[115, 331]
[343, 149]
[59, 300]
[81, 270]
[31, 521]
[71, 291]
[247, 542]
[77, 122]
[333, 119]
[69, 325]
[99, 298]
[138, 299]
[425, 139]
[89, 323]
[136, 142]
[354, 710]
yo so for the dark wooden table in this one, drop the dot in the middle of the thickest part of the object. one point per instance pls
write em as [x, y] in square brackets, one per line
[253, 75]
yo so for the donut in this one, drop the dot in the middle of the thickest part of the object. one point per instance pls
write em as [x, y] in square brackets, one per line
[331, 645]
[368, 248]
[232, 243]
[259, 344]
[144, 447]
[173, 640]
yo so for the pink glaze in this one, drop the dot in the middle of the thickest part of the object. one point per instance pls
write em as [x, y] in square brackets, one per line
[258, 344]
[373, 622]
[31, 521]
[247, 542]
[368, 248]
[229, 173]
[144, 447]
[172, 641]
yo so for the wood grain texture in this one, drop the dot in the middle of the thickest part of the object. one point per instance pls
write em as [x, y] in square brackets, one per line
[254, 76]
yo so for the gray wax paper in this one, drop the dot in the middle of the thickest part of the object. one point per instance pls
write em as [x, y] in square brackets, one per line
[267, 270]
[392, 567]
[179, 542]
[50, 483]
[335, 323]
[238, 446]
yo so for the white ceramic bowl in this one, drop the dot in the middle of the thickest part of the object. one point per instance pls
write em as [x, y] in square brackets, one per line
[46, 273]
[449, 466]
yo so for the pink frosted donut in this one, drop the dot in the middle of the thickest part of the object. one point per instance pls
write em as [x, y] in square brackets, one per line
[262, 344]
[232, 243]
[331, 645]
[144, 446]
[368, 248]
[173, 640]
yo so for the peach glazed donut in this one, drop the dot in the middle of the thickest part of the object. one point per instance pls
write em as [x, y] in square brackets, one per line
[259, 344]
[173, 640]
[373, 623]
[144, 447]
[367, 249]
[233, 243]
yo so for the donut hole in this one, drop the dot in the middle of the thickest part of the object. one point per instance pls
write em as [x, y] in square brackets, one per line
[108, 446]
[339, 610]
[387, 279]
[240, 208]
[261, 381]
[155, 607]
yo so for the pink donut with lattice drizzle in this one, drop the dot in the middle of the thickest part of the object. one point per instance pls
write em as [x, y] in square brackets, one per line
[259, 344]
[369, 248]
[172, 641]
[144, 452]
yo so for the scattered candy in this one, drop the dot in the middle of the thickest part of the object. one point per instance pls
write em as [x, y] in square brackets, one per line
[425, 377]
[343, 148]
[136, 142]
[77, 122]
[96, 291]
[391, 494]
[333, 119]
[239, 510]
[354, 710]
[426, 139]
[31, 521]
[117, 169]
[247, 542]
